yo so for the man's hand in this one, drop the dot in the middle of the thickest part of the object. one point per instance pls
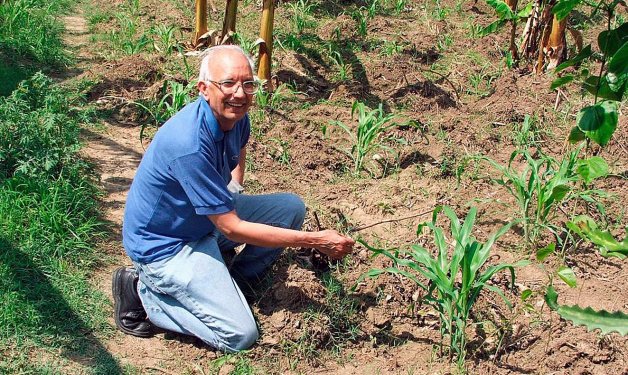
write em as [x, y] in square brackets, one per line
[333, 244]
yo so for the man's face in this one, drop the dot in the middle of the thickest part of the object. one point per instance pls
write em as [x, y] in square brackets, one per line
[228, 107]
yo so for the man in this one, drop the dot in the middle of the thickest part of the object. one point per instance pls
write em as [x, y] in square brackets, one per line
[180, 218]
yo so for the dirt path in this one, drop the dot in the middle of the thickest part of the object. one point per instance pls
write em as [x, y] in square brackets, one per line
[114, 148]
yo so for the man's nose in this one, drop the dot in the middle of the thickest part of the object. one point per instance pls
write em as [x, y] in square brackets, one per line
[239, 91]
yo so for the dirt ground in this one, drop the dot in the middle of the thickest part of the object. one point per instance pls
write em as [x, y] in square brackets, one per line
[389, 337]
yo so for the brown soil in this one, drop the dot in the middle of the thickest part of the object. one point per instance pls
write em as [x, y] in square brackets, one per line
[295, 312]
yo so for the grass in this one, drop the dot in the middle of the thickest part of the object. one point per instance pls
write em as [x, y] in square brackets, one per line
[30, 39]
[48, 227]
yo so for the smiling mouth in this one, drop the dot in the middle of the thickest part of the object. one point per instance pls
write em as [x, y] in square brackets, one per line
[236, 105]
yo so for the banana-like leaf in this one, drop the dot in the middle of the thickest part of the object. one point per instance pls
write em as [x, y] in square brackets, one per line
[603, 320]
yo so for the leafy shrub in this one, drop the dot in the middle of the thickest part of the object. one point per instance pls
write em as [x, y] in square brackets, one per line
[38, 129]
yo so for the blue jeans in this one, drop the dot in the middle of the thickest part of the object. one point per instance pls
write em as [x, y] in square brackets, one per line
[194, 293]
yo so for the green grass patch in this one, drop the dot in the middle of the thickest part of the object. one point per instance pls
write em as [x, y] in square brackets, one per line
[30, 39]
[48, 226]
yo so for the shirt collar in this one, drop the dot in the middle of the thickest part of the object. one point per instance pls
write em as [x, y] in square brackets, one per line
[210, 120]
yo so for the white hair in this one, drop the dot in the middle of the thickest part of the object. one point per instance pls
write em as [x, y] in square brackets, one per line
[210, 54]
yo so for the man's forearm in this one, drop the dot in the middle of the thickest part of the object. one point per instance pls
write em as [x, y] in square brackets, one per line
[269, 236]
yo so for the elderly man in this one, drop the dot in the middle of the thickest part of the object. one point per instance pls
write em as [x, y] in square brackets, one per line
[184, 212]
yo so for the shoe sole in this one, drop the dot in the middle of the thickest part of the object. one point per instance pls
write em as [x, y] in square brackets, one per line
[116, 305]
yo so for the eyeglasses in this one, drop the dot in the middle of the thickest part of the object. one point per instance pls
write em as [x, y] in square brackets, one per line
[228, 86]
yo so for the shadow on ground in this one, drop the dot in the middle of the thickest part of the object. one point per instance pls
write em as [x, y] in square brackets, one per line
[48, 320]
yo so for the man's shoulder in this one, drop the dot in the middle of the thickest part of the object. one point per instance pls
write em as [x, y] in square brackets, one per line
[181, 131]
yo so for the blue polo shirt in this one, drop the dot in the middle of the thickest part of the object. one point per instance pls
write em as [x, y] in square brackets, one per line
[181, 179]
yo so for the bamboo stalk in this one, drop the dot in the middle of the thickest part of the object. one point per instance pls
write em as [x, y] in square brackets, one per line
[265, 48]
[201, 20]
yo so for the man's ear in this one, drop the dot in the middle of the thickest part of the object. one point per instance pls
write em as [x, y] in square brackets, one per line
[202, 89]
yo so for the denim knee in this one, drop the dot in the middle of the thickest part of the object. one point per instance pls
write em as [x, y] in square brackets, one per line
[295, 206]
[243, 337]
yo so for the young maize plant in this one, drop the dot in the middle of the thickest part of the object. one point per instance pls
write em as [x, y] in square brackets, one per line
[454, 275]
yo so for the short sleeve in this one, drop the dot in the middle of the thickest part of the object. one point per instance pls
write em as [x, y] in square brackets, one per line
[203, 184]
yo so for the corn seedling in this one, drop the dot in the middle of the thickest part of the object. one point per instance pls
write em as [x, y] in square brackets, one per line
[541, 187]
[390, 48]
[280, 151]
[361, 18]
[301, 15]
[454, 277]
[248, 45]
[366, 138]
[175, 95]
[343, 69]
[272, 101]
[165, 40]
[400, 6]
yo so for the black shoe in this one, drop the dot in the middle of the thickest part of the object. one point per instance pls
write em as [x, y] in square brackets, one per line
[129, 313]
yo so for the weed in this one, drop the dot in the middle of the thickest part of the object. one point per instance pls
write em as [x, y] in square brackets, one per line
[454, 283]
[239, 364]
[281, 151]
[390, 48]
[30, 35]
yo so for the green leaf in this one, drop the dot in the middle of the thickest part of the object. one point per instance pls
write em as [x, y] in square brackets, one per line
[551, 298]
[592, 168]
[503, 10]
[603, 320]
[610, 41]
[618, 68]
[602, 89]
[576, 135]
[590, 118]
[564, 7]
[559, 192]
[567, 275]
[584, 54]
[586, 227]
[542, 253]
[526, 294]
[599, 121]
[561, 81]
[493, 27]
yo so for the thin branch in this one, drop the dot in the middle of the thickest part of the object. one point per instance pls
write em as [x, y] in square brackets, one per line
[357, 229]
